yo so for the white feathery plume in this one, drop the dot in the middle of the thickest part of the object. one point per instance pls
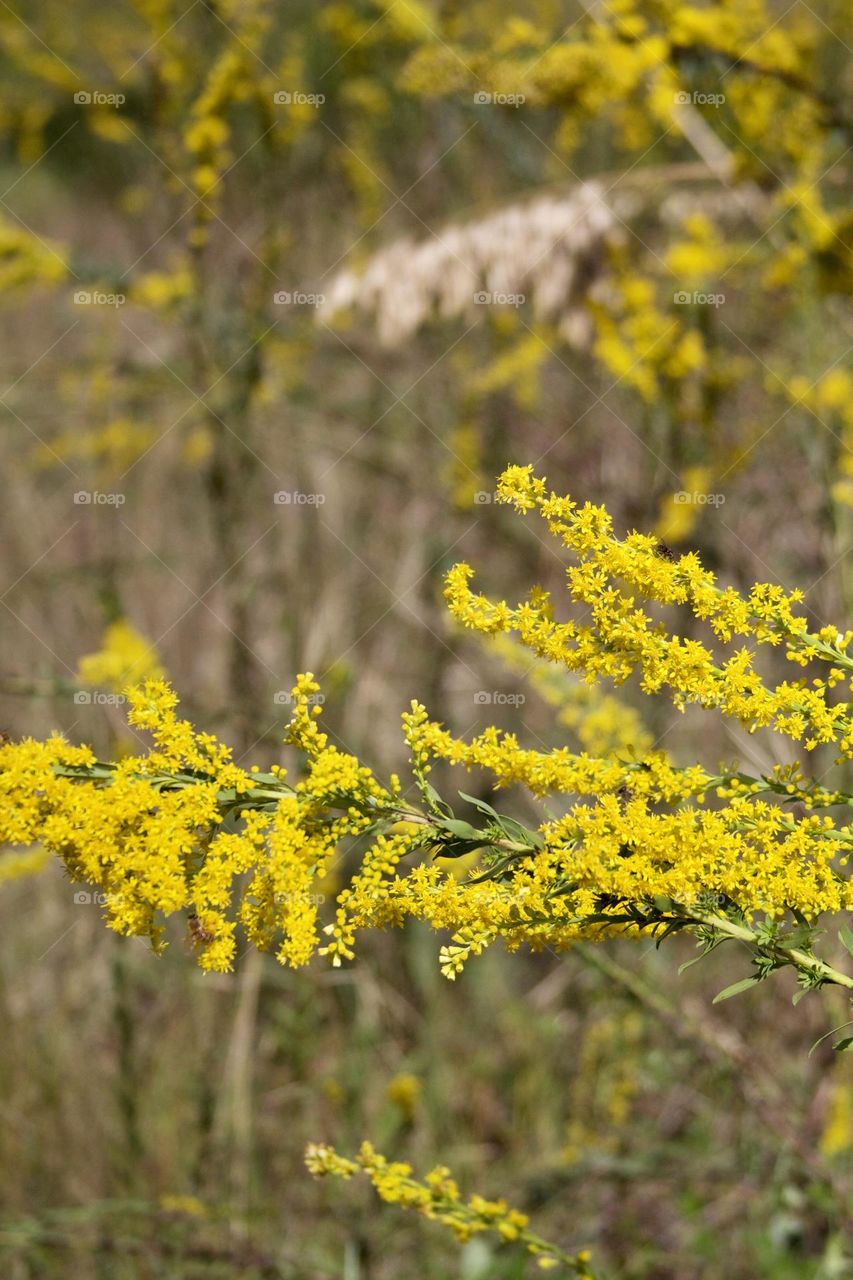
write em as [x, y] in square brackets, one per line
[547, 251]
[544, 251]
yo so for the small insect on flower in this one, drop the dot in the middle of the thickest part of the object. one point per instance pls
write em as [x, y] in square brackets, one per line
[665, 552]
[199, 936]
[624, 795]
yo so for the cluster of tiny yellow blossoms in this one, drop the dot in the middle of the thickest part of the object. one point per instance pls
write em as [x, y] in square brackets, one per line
[636, 341]
[613, 577]
[208, 134]
[125, 657]
[559, 771]
[623, 65]
[438, 1197]
[179, 828]
[637, 841]
[126, 828]
[750, 851]
[602, 723]
[14, 866]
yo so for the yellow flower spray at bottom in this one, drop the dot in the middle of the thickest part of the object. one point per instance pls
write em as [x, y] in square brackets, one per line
[438, 1197]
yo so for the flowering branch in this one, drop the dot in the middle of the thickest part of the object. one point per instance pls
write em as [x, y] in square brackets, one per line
[438, 1198]
[641, 845]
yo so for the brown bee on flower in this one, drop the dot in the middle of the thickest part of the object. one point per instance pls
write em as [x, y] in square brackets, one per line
[624, 795]
[199, 936]
[665, 552]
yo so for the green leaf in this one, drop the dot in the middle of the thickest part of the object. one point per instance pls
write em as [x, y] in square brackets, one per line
[736, 988]
[455, 848]
[479, 804]
[438, 805]
[844, 1046]
[266, 779]
[463, 830]
[802, 938]
[672, 926]
[826, 1036]
[515, 831]
[512, 830]
[845, 937]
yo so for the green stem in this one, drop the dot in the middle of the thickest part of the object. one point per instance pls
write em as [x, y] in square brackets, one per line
[800, 958]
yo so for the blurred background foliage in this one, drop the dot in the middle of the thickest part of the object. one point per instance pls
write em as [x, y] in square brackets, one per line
[362, 255]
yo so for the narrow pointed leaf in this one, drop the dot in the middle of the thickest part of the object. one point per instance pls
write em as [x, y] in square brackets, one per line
[736, 988]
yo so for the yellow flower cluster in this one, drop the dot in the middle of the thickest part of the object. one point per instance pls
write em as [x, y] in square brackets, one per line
[208, 135]
[603, 724]
[677, 519]
[404, 1091]
[438, 1197]
[163, 290]
[179, 828]
[641, 344]
[750, 853]
[25, 259]
[109, 448]
[613, 577]
[830, 400]
[606, 1081]
[125, 657]
[638, 842]
[623, 64]
[701, 255]
[14, 866]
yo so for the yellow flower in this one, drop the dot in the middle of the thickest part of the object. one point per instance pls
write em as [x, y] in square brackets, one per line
[438, 1197]
[404, 1091]
[125, 657]
[180, 828]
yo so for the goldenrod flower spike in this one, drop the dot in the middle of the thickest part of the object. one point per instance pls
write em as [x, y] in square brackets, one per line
[641, 844]
[613, 577]
[438, 1197]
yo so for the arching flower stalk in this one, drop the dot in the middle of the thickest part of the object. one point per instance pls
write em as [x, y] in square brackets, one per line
[639, 845]
[438, 1197]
